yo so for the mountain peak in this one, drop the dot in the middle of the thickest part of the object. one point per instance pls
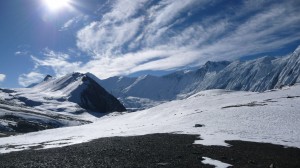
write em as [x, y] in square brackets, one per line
[48, 77]
[214, 63]
[83, 89]
[215, 66]
[297, 50]
[265, 59]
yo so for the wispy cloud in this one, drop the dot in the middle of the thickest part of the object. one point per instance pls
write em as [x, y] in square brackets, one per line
[30, 78]
[138, 35]
[58, 61]
[75, 22]
[2, 77]
[21, 53]
[23, 50]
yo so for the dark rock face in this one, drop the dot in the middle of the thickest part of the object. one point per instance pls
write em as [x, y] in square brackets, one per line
[199, 125]
[29, 102]
[48, 77]
[93, 97]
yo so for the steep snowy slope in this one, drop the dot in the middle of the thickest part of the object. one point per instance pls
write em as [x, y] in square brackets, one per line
[214, 115]
[290, 73]
[71, 93]
[256, 75]
[259, 75]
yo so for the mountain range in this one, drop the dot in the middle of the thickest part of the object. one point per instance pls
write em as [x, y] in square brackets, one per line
[255, 75]
[80, 109]
[30, 109]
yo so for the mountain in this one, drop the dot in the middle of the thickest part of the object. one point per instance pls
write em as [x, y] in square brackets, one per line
[217, 115]
[71, 93]
[78, 88]
[255, 75]
[53, 103]
[48, 77]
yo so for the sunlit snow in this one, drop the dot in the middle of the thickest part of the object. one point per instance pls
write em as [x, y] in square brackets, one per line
[272, 117]
[216, 163]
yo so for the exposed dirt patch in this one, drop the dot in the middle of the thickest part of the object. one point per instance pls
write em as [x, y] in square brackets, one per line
[252, 104]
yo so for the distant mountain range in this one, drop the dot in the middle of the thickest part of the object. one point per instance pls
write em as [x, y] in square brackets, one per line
[255, 75]
[31, 109]
[76, 91]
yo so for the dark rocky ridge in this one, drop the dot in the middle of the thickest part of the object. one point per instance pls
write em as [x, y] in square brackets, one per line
[95, 98]
[48, 77]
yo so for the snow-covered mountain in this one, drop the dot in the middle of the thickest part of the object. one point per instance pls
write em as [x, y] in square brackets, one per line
[77, 88]
[271, 117]
[55, 102]
[255, 75]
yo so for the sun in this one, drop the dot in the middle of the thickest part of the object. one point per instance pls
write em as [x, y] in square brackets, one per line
[56, 4]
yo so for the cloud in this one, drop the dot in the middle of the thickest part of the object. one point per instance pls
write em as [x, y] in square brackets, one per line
[75, 22]
[30, 78]
[23, 50]
[105, 38]
[2, 77]
[21, 53]
[139, 35]
[58, 61]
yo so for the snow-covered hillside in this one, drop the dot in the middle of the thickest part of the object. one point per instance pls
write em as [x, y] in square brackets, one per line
[54, 103]
[215, 115]
[71, 93]
[256, 75]
[16, 118]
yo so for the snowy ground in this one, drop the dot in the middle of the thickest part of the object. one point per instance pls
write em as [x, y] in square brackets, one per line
[16, 119]
[215, 163]
[272, 117]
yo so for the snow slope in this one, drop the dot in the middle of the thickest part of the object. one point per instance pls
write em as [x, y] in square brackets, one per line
[53, 103]
[71, 93]
[220, 115]
[255, 75]
[215, 163]
[16, 119]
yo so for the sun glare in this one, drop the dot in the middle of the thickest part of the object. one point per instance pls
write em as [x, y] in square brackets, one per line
[56, 4]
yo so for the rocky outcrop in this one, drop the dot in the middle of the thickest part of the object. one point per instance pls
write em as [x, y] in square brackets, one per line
[91, 96]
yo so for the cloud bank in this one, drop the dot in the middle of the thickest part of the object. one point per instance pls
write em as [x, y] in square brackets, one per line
[141, 35]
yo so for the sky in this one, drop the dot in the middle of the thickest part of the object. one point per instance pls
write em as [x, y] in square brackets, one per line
[135, 37]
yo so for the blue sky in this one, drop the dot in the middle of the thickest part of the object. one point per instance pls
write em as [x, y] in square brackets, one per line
[134, 37]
